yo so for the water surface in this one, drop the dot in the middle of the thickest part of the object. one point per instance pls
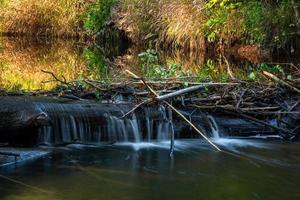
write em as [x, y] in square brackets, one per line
[247, 169]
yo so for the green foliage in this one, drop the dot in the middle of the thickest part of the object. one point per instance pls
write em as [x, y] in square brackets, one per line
[253, 21]
[97, 14]
[283, 23]
[256, 72]
[219, 13]
[152, 68]
[254, 14]
[253, 76]
[149, 61]
[95, 62]
[206, 71]
[212, 71]
[276, 69]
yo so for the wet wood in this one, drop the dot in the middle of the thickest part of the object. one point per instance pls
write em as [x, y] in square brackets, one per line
[276, 79]
[175, 94]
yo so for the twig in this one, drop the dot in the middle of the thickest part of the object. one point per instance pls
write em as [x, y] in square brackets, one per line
[171, 126]
[174, 109]
[229, 71]
[3, 144]
[266, 124]
[71, 97]
[192, 125]
[134, 109]
[294, 106]
[26, 185]
[95, 86]
[57, 79]
[275, 78]
[240, 100]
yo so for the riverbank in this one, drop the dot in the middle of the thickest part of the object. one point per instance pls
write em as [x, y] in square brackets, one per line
[196, 25]
[192, 25]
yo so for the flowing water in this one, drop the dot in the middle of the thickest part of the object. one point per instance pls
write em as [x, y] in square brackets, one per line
[247, 169]
[128, 158]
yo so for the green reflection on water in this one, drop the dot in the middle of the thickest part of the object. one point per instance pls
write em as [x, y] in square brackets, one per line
[95, 61]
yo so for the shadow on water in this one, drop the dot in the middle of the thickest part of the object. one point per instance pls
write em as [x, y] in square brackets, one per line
[145, 171]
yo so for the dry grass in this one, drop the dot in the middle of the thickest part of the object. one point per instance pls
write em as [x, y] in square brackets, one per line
[42, 17]
[173, 22]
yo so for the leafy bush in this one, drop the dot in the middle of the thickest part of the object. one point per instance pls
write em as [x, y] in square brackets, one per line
[152, 68]
[254, 13]
[97, 14]
[256, 22]
[222, 23]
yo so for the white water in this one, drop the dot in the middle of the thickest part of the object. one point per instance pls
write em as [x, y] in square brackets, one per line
[71, 123]
[214, 127]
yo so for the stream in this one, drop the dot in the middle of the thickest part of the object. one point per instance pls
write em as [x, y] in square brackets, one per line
[247, 169]
[128, 159]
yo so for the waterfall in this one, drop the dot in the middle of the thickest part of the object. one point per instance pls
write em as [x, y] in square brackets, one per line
[85, 123]
[214, 127]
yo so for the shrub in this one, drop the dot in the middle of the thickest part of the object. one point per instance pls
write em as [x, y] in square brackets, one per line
[97, 13]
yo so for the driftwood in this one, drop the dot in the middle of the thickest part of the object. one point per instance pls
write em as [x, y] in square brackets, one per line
[175, 94]
[190, 90]
[260, 102]
[193, 126]
[275, 78]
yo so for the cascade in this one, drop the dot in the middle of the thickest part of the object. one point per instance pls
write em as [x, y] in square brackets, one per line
[214, 127]
[71, 123]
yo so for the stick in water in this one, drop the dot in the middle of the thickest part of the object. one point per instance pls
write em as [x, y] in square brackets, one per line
[158, 98]
[26, 185]
[192, 125]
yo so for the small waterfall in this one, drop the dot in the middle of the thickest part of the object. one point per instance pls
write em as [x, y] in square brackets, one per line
[84, 123]
[214, 127]
[149, 124]
[163, 129]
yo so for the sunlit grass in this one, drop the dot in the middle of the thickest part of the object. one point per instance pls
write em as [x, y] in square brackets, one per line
[21, 66]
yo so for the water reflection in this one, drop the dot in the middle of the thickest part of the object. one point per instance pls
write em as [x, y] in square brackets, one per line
[22, 62]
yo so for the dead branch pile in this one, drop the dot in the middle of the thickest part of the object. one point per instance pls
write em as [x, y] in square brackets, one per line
[253, 101]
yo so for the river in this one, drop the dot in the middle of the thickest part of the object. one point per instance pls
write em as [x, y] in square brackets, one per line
[246, 169]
